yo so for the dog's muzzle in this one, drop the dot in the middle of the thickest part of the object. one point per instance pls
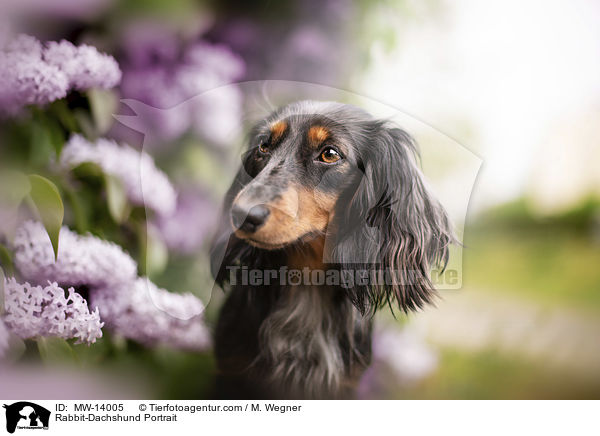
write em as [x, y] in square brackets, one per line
[249, 220]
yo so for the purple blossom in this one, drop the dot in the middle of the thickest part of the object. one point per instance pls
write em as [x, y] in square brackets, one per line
[33, 311]
[26, 80]
[400, 357]
[82, 260]
[160, 75]
[218, 116]
[404, 352]
[24, 46]
[165, 120]
[148, 43]
[216, 62]
[141, 311]
[84, 65]
[133, 307]
[32, 74]
[307, 47]
[193, 221]
[144, 184]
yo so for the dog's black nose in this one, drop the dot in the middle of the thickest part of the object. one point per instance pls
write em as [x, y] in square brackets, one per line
[249, 220]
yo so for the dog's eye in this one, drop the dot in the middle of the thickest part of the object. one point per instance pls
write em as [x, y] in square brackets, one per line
[263, 147]
[329, 155]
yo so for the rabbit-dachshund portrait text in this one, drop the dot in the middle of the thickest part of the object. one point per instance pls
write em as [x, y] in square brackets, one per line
[323, 187]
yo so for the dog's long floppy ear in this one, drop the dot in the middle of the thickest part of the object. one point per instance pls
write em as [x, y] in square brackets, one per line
[391, 225]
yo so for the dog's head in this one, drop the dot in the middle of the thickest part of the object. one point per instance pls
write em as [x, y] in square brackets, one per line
[331, 172]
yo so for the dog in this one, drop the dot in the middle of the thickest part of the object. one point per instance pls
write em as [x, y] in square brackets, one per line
[326, 190]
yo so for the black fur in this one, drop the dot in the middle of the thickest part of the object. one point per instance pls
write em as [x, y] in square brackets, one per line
[276, 341]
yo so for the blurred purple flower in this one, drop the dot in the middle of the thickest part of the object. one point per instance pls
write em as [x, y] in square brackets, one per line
[216, 62]
[26, 80]
[300, 46]
[82, 260]
[147, 43]
[163, 73]
[144, 184]
[404, 352]
[195, 217]
[141, 311]
[33, 311]
[133, 307]
[84, 65]
[400, 357]
[32, 74]
[24, 46]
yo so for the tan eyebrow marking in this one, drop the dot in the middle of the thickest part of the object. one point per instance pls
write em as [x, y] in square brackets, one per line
[317, 134]
[277, 130]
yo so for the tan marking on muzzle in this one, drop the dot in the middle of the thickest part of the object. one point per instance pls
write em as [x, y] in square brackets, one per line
[295, 213]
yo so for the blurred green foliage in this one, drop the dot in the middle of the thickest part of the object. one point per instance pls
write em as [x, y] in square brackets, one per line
[545, 260]
[492, 375]
[550, 259]
[168, 373]
[561, 269]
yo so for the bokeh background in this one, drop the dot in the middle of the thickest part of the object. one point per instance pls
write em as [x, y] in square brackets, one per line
[503, 97]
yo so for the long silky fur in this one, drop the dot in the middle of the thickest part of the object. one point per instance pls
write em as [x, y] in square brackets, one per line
[313, 342]
[392, 199]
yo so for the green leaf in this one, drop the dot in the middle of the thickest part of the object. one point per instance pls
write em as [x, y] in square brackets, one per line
[61, 110]
[55, 349]
[41, 149]
[117, 198]
[86, 124]
[6, 261]
[87, 169]
[80, 214]
[55, 136]
[49, 205]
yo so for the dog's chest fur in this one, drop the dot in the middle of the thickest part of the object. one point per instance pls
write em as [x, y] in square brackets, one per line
[301, 341]
[296, 341]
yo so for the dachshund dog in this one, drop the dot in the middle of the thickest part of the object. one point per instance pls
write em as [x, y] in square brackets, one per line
[327, 221]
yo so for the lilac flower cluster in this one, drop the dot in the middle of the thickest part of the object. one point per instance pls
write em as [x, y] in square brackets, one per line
[33, 311]
[195, 217]
[145, 184]
[130, 306]
[33, 74]
[25, 78]
[149, 315]
[161, 76]
[82, 260]
[84, 66]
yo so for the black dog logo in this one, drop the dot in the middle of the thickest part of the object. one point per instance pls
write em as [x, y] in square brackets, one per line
[26, 415]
